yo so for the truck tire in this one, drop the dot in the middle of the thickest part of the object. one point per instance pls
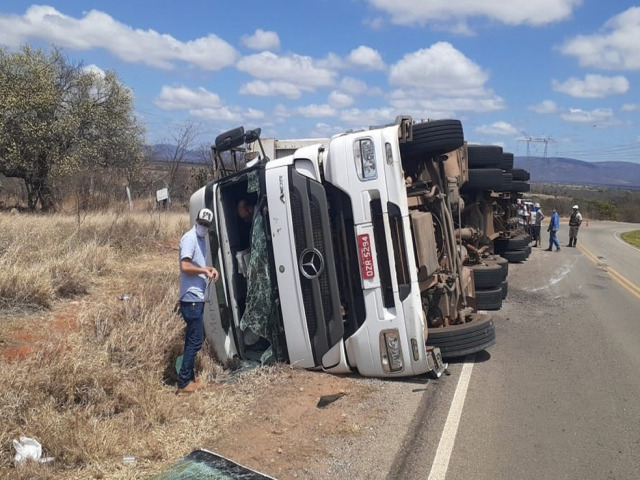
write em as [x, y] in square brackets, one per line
[460, 340]
[503, 244]
[505, 288]
[487, 275]
[507, 161]
[484, 156]
[489, 298]
[515, 256]
[507, 180]
[504, 263]
[435, 137]
[521, 174]
[520, 186]
[484, 179]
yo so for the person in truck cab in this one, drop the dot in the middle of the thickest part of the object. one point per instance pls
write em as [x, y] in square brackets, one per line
[195, 277]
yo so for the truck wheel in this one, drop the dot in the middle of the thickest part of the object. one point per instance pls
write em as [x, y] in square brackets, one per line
[484, 156]
[507, 180]
[520, 186]
[487, 275]
[515, 256]
[484, 179]
[505, 288]
[504, 263]
[521, 174]
[460, 340]
[507, 161]
[502, 244]
[489, 298]
[435, 137]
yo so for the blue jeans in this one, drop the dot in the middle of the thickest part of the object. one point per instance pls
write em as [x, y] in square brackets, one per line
[193, 336]
[553, 240]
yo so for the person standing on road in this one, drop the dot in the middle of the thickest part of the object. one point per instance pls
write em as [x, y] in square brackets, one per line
[195, 275]
[538, 216]
[575, 220]
[554, 226]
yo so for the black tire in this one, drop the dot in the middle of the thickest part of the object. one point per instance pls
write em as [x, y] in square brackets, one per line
[504, 263]
[507, 180]
[484, 179]
[515, 256]
[435, 137]
[505, 289]
[521, 174]
[507, 161]
[484, 156]
[502, 244]
[489, 298]
[460, 340]
[487, 275]
[520, 186]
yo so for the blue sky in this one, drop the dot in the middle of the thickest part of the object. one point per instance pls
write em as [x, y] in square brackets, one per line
[523, 74]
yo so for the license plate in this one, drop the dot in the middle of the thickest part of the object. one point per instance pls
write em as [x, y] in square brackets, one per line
[366, 258]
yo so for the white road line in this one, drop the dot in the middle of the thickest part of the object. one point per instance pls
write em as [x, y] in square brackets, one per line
[448, 438]
[616, 235]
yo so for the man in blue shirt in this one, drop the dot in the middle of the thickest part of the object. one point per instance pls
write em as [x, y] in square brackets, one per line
[554, 226]
[195, 276]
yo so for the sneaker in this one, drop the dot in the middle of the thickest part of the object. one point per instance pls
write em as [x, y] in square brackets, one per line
[557, 249]
[547, 249]
[190, 388]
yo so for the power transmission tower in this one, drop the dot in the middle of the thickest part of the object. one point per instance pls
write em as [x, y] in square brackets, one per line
[529, 139]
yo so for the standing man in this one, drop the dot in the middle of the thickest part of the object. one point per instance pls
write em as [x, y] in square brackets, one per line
[575, 220]
[538, 216]
[195, 276]
[554, 226]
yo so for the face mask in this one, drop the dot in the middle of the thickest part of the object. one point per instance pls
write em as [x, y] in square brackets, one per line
[201, 230]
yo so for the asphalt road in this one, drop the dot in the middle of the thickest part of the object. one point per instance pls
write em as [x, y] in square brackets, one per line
[558, 396]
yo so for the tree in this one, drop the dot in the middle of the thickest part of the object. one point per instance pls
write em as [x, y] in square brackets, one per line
[57, 118]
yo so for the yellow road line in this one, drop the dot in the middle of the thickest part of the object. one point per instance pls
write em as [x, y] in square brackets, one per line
[624, 282]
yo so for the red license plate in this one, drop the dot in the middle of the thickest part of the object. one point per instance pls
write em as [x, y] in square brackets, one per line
[366, 259]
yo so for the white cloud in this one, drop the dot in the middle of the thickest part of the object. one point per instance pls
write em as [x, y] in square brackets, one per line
[497, 128]
[599, 116]
[593, 86]
[184, 98]
[366, 57]
[514, 12]
[97, 29]
[616, 47]
[441, 78]
[261, 40]
[297, 69]
[340, 100]
[316, 111]
[362, 118]
[355, 86]
[630, 107]
[96, 70]
[544, 107]
[275, 88]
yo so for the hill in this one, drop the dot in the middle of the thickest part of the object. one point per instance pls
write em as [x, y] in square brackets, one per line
[578, 172]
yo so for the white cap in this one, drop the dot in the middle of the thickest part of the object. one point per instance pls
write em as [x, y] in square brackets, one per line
[537, 205]
[205, 217]
[575, 207]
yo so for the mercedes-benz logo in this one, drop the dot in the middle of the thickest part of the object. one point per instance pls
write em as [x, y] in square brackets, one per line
[311, 263]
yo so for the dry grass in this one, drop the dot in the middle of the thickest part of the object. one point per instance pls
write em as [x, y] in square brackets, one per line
[96, 381]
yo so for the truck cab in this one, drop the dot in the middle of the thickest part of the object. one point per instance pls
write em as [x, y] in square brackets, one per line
[350, 257]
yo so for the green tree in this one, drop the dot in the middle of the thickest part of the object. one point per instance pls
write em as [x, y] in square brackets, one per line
[57, 118]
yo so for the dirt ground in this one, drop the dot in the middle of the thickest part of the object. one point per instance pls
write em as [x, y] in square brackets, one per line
[284, 432]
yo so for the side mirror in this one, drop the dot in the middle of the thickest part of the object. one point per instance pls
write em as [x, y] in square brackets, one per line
[231, 139]
[252, 135]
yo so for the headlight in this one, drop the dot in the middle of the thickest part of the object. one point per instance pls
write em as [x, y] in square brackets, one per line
[391, 351]
[365, 157]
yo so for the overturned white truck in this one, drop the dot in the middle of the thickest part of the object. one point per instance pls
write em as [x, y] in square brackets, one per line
[349, 261]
